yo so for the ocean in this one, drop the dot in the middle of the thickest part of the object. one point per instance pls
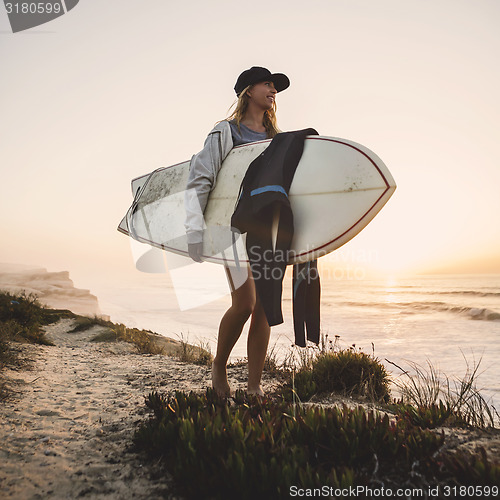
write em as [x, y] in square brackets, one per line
[449, 321]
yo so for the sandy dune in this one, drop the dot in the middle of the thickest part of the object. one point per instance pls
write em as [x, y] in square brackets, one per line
[67, 430]
[65, 433]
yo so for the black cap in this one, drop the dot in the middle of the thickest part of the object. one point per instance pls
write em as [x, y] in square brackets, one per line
[256, 74]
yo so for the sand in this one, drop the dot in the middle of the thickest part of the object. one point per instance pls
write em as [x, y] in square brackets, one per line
[66, 431]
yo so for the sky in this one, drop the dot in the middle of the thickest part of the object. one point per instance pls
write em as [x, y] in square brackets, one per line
[113, 90]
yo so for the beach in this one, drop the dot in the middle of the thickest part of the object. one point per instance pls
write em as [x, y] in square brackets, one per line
[94, 102]
[68, 424]
[67, 428]
[449, 321]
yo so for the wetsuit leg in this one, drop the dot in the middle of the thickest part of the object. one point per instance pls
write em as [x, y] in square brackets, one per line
[306, 302]
[268, 265]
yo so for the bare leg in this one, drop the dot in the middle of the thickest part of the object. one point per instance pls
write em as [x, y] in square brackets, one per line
[258, 340]
[231, 325]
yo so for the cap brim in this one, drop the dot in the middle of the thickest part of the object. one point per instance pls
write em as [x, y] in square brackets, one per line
[281, 81]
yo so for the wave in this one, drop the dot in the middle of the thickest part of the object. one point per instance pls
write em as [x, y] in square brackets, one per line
[478, 313]
[410, 290]
[475, 313]
[474, 293]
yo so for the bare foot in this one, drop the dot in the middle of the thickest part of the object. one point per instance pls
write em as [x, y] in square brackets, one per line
[257, 391]
[219, 381]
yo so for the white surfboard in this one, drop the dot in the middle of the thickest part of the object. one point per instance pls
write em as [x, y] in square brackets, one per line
[338, 188]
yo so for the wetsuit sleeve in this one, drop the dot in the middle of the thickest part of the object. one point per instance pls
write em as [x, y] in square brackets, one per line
[203, 170]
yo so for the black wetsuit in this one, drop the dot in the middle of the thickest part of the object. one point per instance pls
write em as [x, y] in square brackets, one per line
[264, 188]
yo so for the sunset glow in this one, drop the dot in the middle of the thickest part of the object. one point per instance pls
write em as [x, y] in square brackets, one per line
[87, 106]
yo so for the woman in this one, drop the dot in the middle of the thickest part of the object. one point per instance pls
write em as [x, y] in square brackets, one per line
[254, 119]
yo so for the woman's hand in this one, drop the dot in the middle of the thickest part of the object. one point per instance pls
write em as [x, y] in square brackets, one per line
[195, 251]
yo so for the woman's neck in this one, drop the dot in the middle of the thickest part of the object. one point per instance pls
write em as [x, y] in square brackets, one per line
[254, 119]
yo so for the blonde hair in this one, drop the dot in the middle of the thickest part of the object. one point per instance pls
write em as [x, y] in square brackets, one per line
[269, 121]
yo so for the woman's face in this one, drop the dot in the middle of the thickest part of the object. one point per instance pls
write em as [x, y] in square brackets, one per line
[263, 94]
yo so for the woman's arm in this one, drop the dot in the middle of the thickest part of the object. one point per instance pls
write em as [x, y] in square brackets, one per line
[203, 171]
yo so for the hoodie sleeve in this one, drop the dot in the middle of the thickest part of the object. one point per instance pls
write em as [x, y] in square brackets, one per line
[203, 170]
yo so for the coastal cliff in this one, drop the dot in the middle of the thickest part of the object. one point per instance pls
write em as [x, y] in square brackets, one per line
[53, 289]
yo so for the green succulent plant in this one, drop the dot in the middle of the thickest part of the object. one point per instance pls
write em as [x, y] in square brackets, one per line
[251, 447]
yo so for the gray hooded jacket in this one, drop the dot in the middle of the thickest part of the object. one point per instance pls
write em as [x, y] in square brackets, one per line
[203, 170]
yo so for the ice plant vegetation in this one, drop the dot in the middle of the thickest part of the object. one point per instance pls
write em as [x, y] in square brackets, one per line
[257, 448]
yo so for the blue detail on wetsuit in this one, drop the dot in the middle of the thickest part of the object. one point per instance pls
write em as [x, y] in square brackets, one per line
[265, 189]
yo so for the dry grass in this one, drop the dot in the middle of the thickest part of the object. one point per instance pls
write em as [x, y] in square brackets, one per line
[21, 320]
[145, 342]
[197, 354]
[426, 387]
